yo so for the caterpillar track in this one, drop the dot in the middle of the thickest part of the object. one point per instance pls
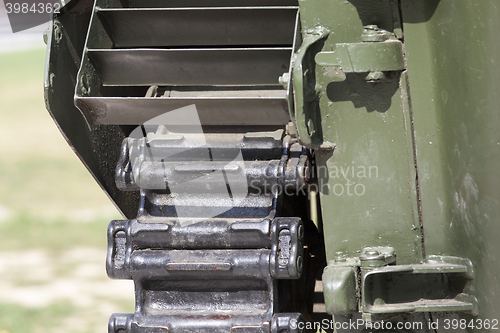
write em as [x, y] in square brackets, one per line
[219, 240]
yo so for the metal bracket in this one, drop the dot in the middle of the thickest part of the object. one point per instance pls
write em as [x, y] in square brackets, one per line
[379, 52]
[305, 111]
[373, 284]
[435, 286]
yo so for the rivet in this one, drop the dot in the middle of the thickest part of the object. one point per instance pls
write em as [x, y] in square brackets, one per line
[372, 253]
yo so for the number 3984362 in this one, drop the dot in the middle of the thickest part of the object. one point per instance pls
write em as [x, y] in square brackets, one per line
[35, 8]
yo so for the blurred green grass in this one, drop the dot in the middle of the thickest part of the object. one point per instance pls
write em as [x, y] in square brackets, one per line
[39, 173]
[49, 205]
[17, 318]
[43, 184]
[25, 231]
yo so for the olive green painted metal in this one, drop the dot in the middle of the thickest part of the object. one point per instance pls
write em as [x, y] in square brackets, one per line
[371, 55]
[432, 286]
[339, 286]
[364, 57]
[366, 184]
[452, 50]
[371, 185]
[304, 110]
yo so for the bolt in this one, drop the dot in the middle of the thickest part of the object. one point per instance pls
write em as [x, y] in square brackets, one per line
[299, 263]
[375, 76]
[306, 173]
[339, 256]
[46, 36]
[85, 86]
[290, 130]
[300, 232]
[367, 317]
[372, 33]
[58, 35]
[310, 128]
[372, 253]
[284, 79]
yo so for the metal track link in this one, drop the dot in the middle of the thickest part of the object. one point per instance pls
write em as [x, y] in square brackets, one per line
[203, 257]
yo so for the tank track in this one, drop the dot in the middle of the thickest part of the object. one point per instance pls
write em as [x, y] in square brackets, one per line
[193, 273]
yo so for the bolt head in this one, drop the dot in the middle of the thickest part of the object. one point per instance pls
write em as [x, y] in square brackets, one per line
[372, 253]
[340, 256]
[46, 36]
[375, 76]
[300, 232]
[299, 264]
[306, 173]
[283, 80]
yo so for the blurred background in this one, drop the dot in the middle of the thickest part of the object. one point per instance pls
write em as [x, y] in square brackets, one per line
[53, 215]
